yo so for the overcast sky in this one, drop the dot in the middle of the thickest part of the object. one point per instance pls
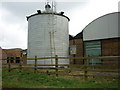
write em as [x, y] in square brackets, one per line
[14, 27]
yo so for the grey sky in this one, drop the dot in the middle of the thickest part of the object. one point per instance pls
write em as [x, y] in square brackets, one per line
[13, 23]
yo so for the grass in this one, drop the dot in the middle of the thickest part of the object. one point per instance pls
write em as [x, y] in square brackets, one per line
[37, 80]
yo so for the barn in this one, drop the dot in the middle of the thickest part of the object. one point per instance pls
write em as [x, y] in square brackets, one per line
[76, 48]
[101, 38]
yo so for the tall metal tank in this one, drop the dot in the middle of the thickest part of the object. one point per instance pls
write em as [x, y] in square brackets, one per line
[48, 35]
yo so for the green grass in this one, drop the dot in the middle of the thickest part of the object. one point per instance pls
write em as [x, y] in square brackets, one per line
[37, 80]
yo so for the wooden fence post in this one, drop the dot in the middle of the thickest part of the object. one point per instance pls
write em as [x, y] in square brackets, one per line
[20, 64]
[85, 71]
[35, 68]
[9, 65]
[56, 64]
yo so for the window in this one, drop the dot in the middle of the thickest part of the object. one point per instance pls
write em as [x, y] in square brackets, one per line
[17, 59]
[7, 59]
[11, 59]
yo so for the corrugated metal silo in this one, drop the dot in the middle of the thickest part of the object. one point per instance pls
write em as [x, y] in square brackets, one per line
[48, 36]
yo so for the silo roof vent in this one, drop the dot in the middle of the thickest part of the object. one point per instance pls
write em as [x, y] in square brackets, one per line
[39, 11]
[47, 7]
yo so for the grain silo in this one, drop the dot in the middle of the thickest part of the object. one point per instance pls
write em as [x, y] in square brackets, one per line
[48, 35]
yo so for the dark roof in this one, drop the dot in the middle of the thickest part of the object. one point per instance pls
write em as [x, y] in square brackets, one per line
[47, 13]
[79, 35]
[71, 37]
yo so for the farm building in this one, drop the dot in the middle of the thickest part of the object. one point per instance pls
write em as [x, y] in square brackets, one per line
[48, 35]
[14, 55]
[101, 38]
[98, 38]
[76, 48]
[3, 55]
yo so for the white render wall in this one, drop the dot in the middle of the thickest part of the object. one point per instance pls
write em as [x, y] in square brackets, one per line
[39, 28]
[101, 28]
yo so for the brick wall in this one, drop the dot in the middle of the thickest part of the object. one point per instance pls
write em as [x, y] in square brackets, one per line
[4, 56]
[15, 54]
[110, 47]
[79, 50]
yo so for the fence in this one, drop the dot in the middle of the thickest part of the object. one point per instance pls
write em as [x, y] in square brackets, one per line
[96, 70]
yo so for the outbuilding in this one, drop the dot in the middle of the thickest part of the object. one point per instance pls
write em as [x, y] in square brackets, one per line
[101, 38]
